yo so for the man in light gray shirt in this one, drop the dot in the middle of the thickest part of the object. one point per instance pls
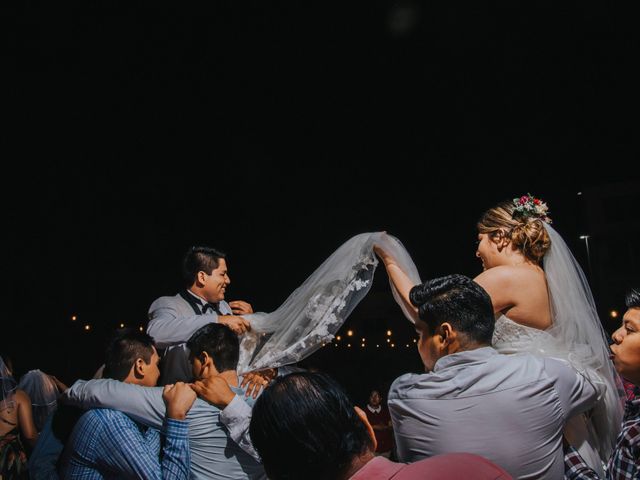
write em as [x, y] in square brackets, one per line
[214, 455]
[510, 409]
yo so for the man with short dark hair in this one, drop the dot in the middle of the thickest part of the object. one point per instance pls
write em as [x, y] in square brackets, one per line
[172, 320]
[107, 443]
[510, 409]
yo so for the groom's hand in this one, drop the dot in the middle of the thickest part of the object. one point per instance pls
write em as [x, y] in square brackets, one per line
[240, 307]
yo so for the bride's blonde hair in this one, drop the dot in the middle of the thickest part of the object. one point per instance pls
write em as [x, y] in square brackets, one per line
[526, 233]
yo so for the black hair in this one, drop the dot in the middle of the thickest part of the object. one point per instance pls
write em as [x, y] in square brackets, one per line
[123, 349]
[196, 259]
[458, 300]
[632, 298]
[305, 426]
[220, 342]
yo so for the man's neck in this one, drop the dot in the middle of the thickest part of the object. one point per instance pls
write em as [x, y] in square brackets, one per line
[231, 377]
[194, 291]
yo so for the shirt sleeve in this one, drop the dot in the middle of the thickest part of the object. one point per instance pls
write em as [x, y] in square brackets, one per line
[168, 327]
[144, 404]
[577, 393]
[130, 456]
[236, 417]
[176, 456]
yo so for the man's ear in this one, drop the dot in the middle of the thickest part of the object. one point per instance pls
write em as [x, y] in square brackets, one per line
[447, 334]
[365, 420]
[208, 367]
[201, 277]
[139, 368]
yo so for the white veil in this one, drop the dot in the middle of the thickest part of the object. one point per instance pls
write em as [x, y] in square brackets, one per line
[43, 393]
[578, 328]
[315, 311]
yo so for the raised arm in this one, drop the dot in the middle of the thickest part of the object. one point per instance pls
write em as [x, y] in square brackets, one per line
[400, 280]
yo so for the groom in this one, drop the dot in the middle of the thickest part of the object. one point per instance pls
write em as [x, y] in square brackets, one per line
[172, 320]
[510, 409]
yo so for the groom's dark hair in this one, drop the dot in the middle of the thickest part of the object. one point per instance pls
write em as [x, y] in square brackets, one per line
[458, 300]
[198, 259]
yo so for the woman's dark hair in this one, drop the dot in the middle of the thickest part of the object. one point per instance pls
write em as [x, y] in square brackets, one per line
[305, 427]
[458, 300]
[196, 259]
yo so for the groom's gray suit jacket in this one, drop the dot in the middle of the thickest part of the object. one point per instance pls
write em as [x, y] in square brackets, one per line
[172, 321]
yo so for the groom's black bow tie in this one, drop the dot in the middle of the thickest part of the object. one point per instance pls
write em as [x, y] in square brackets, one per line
[207, 307]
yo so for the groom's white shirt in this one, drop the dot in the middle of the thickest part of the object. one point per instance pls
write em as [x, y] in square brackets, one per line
[510, 409]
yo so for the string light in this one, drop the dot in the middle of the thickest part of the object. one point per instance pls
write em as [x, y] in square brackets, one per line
[87, 327]
[73, 318]
[393, 345]
[388, 340]
[614, 314]
[362, 345]
[349, 345]
[122, 325]
[388, 333]
[140, 328]
[338, 338]
[350, 333]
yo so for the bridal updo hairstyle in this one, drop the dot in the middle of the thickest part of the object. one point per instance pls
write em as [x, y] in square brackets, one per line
[525, 232]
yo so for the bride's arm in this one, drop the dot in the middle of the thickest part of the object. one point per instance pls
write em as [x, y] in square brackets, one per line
[399, 280]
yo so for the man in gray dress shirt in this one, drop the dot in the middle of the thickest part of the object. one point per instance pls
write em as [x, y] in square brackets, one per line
[510, 409]
[172, 320]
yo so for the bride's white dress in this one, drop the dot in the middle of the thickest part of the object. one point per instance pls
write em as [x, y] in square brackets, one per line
[510, 337]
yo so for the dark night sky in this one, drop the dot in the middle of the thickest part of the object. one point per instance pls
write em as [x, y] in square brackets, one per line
[139, 128]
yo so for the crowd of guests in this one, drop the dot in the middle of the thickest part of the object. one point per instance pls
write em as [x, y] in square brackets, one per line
[170, 403]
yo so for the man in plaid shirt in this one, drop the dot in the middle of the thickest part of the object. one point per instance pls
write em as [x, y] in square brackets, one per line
[625, 460]
[108, 444]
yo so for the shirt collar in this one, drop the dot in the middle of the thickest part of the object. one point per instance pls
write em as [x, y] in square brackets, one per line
[374, 410]
[197, 297]
[462, 358]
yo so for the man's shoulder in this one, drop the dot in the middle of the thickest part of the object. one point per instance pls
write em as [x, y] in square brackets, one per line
[104, 416]
[168, 301]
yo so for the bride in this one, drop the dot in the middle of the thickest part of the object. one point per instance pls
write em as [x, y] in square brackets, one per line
[543, 305]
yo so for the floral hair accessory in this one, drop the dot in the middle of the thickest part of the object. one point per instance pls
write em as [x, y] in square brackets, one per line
[530, 206]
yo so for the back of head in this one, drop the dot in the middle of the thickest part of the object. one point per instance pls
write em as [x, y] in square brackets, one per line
[219, 342]
[522, 222]
[123, 349]
[632, 298]
[305, 426]
[458, 300]
[198, 259]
